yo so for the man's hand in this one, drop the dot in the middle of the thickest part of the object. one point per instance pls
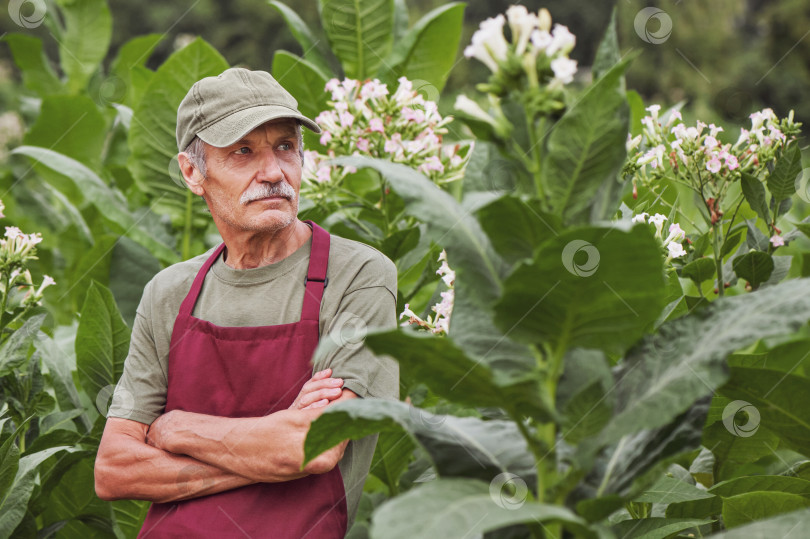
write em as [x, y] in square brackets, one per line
[319, 391]
[157, 435]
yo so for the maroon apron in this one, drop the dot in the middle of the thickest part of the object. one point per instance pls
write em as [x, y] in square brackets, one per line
[250, 372]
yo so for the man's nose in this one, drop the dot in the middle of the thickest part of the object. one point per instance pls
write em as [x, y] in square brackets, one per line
[269, 167]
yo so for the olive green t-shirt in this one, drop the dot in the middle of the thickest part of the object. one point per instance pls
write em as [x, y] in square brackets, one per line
[360, 295]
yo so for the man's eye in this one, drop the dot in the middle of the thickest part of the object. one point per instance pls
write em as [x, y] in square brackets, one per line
[243, 150]
[285, 146]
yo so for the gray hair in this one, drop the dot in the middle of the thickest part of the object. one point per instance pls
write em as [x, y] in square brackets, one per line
[196, 150]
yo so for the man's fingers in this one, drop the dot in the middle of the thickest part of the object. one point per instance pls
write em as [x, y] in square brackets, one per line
[319, 404]
[315, 385]
[327, 394]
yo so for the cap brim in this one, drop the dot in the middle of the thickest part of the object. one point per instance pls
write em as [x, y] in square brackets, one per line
[235, 126]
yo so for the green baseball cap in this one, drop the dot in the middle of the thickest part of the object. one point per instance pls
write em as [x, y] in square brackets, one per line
[223, 109]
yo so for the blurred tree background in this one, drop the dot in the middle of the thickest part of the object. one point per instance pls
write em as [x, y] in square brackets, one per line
[724, 58]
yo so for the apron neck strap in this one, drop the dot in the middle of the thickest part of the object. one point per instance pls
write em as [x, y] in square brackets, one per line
[316, 273]
[316, 276]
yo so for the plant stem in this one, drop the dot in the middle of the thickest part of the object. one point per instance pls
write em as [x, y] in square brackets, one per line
[718, 259]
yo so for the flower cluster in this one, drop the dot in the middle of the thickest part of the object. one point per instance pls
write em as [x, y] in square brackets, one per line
[672, 243]
[439, 325]
[16, 249]
[671, 146]
[535, 60]
[363, 119]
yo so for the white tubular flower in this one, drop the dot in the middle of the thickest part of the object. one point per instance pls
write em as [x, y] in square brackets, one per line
[521, 22]
[658, 220]
[544, 19]
[632, 143]
[676, 234]
[777, 240]
[641, 217]
[404, 93]
[473, 110]
[562, 41]
[564, 69]
[488, 44]
[541, 39]
[653, 110]
[676, 250]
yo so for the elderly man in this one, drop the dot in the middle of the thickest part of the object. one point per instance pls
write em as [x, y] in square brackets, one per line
[209, 418]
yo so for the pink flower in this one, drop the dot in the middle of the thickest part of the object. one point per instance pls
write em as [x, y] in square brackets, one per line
[374, 89]
[710, 142]
[346, 119]
[324, 174]
[376, 124]
[777, 240]
[394, 145]
[325, 138]
[413, 115]
[714, 165]
[731, 162]
[432, 163]
[362, 144]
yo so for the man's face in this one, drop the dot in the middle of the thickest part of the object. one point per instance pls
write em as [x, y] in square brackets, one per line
[253, 184]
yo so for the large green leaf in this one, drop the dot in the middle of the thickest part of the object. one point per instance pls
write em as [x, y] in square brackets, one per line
[84, 39]
[608, 54]
[583, 289]
[15, 501]
[755, 267]
[451, 374]
[428, 51]
[129, 516]
[305, 37]
[152, 138]
[37, 74]
[102, 341]
[479, 270]
[70, 125]
[131, 267]
[132, 55]
[360, 33]
[782, 181]
[458, 446]
[391, 457]
[15, 351]
[585, 148]
[755, 195]
[671, 490]
[516, 227]
[458, 508]
[656, 527]
[109, 202]
[744, 508]
[781, 399]
[732, 451]
[303, 80]
[792, 525]
[684, 360]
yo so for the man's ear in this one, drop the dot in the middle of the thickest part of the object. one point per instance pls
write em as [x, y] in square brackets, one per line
[192, 176]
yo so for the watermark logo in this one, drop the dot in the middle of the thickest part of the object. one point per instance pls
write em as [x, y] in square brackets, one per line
[501, 175]
[428, 91]
[348, 331]
[111, 90]
[653, 25]
[572, 258]
[27, 13]
[508, 491]
[742, 411]
[193, 479]
[735, 103]
[423, 418]
[122, 400]
[802, 184]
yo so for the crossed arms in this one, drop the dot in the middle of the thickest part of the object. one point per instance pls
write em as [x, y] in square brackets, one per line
[185, 455]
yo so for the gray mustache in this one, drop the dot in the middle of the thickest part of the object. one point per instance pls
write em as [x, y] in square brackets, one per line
[265, 190]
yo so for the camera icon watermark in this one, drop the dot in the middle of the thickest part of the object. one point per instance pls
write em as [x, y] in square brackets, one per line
[348, 331]
[653, 25]
[744, 411]
[194, 478]
[508, 491]
[427, 90]
[802, 184]
[572, 258]
[111, 90]
[424, 419]
[27, 13]
[108, 397]
[501, 175]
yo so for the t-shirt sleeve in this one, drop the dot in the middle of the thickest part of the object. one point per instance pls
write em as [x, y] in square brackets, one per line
[141, 392]
[368, 305]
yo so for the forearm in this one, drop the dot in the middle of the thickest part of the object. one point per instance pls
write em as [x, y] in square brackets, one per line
[130, 469]
[267, 449]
